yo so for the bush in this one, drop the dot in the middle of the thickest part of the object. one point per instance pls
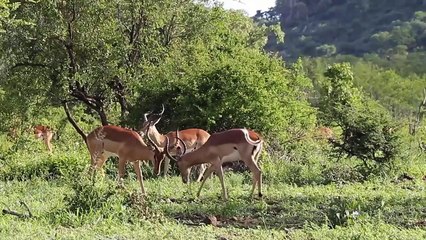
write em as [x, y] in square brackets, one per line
[22, 166]
[340, 173]
[88, 194]
[248, 89]
[290, 168]
[93, 199]
[368, 131]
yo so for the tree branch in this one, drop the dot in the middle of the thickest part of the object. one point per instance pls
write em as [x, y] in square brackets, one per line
[94, 102]
[72, 121]
[120, 93]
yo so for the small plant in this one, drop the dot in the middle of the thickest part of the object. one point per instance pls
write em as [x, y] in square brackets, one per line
[94, 196]
[340, 173]
[88, 194]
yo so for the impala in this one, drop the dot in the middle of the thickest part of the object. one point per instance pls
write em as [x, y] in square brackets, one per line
[324, 133]
[193, 138]
[45, 134]
[227, 146]
[128, 145]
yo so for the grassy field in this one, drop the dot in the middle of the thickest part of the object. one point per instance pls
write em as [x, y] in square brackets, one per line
[298, 203]
[363, 211]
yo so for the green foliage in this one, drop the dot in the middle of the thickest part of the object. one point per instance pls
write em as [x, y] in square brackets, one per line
[391, 82]
[24, 166]
[90, 194]
[326, 50]
[6, 7]
[370, 209]
[233, 87]
[368, 131]
[341, 173]
[108, 41]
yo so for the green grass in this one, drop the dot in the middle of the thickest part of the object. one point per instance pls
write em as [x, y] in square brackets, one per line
[315, 199]
[370, 210]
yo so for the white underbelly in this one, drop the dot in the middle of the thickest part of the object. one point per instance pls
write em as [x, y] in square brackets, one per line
[234, 156]
[109, 154]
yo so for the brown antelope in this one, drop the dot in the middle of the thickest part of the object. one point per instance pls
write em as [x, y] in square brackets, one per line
[128, 145]
[324, 133]
[227, 146]
[45, 134]
[193, 138]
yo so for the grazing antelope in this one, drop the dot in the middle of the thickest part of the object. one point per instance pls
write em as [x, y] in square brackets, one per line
[227, 146]
[193, 138]
[45, 134]
[128, 145]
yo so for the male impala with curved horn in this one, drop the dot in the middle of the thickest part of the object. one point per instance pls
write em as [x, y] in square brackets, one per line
[226, 146]
[128, 145]
[193, 138]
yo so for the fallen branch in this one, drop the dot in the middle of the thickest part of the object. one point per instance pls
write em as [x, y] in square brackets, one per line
[17, 214]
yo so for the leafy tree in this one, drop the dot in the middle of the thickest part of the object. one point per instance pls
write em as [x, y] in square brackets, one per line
[5, 17]
[207, 65]
[368, 131]
[223, 79]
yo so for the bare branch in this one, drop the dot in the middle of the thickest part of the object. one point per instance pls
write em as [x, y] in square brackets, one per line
[119, 89]
[94, 102]
[72, 121]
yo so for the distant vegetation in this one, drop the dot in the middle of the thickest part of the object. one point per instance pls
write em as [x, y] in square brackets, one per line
[356, 27]
[383, 40]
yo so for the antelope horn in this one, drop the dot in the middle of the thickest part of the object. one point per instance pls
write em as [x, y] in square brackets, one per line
[162, 111]
[167, 150]
[183, 143]
[184, 146]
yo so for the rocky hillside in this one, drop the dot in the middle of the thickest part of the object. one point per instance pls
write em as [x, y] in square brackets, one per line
[356, 27]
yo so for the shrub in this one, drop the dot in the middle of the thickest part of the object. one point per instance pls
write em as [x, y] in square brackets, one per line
[340, 173]
[88, 194]
[93, 198]
[368, 131]
[23, 166]
[248, 89]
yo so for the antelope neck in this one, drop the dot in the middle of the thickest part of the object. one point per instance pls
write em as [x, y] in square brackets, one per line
[195, 158]
[158, 138]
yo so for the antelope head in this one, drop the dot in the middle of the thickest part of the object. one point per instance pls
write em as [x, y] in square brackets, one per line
[184, 171]
[150, 119]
